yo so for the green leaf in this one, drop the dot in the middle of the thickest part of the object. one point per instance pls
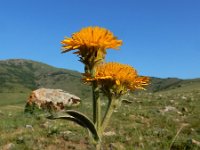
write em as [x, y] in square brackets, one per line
[85, 121]
[67, 117]
[80, 119]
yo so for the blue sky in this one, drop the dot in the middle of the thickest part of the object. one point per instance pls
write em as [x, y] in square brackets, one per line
[161, 38]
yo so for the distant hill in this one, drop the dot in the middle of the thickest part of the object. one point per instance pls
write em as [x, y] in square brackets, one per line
[173, 84]
[22, 76]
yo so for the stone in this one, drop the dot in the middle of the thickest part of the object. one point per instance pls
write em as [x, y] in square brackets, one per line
[51, 99]
[1, 113]
[197, 143]
[29, 127]
[45, 125]
[8, 146]
[183, 97]
[20, 140]
[109, 133]
[116, 146]
[170, 109]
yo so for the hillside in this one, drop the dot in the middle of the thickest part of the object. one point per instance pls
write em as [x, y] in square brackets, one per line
[19, 77]
[158, 84]
[166, 116]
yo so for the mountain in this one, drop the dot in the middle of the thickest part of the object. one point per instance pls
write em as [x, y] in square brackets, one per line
[22, 76]
[173, 84]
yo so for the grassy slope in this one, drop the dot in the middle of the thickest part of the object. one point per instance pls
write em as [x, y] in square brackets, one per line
[13, 98]
[143, 124]
[22, 76]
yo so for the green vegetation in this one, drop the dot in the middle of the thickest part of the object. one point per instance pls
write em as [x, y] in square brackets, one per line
[166, 119]
[23, 76]
[13, 98]
[151, 121]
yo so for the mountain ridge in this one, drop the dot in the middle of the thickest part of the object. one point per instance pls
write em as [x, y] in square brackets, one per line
[22, 75]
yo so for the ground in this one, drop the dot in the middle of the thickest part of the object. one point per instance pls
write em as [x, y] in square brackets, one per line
[153, 121]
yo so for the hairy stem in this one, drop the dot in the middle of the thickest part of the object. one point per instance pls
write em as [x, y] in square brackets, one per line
[108, 113]
[96, 108]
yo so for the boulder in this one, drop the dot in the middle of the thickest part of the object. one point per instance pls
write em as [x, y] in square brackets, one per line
[51, 100]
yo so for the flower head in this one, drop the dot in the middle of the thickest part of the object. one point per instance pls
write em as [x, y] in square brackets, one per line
[117, 79]
[91, 37]
[91, 44]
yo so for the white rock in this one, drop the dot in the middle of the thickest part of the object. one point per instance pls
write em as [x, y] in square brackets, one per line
[109, 133]
[29, 127]
[56, 99]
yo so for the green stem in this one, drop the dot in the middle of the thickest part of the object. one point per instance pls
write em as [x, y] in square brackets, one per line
[108, 114]
[96, 108]
[94, 96]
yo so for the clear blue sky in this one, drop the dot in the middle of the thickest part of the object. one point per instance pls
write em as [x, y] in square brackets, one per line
[161, 37]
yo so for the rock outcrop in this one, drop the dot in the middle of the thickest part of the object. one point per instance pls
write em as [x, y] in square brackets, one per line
[51, 100]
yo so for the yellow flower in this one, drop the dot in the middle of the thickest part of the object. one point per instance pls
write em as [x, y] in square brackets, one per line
[91, 37]
[116, 78]
[91, 44]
